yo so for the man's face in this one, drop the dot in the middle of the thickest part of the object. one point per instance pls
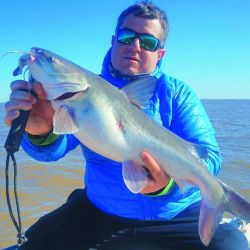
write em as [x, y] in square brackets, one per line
[131, 58]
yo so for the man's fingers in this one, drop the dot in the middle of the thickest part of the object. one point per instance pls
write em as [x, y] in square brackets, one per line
[157, 178]
[23, 85]
[19, 84]
[21, 95]
[17, 105]
[151, 165]
[12, 115]
[39, 90]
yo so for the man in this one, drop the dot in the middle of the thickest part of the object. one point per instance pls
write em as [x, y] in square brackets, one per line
[106, 215]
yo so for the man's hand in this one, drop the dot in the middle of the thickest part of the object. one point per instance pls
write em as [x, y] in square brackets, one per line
[157, 178]
[41, 112]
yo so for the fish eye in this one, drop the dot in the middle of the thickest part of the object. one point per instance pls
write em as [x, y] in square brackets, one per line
[50, 59]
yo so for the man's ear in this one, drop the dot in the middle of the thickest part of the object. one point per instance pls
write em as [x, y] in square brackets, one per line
[161, 53]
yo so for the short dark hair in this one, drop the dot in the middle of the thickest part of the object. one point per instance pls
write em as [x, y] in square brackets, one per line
[146, 9]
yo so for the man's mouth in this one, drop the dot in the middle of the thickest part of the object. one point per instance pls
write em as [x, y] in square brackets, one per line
[132, 58]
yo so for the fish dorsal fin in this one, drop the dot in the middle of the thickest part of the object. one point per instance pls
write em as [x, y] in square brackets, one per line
[139, 92]
[62, 122]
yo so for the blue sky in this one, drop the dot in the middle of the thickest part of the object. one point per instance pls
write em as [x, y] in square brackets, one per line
[208, 45]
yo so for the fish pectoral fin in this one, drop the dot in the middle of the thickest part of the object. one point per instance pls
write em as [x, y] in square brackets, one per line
[139, 92]
[135, 176]
[208, 221]
[63, 123]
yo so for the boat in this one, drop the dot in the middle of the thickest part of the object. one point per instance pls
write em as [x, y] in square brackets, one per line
[238, 223]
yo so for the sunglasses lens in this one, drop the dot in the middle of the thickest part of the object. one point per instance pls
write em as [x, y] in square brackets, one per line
[125, 36]
[149, 42]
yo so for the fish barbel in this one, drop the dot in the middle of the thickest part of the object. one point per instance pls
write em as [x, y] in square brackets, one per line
[108, 121]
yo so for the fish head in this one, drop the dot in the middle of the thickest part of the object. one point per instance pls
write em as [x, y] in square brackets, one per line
[58, 75]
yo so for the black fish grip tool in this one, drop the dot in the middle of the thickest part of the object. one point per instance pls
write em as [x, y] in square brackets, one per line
[17, 129]
[12, 145]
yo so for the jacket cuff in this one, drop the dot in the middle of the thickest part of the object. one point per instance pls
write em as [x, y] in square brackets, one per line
[42, 140]
[163, 191]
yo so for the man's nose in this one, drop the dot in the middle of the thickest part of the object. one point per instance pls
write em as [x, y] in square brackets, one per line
[135, 44]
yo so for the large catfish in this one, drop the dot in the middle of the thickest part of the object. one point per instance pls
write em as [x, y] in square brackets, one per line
[108, 121]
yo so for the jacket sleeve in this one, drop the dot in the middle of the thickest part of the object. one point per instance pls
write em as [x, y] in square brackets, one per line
[190, 121]
[52, 152]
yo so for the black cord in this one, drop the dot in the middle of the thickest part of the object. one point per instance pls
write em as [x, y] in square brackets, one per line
[18, 224]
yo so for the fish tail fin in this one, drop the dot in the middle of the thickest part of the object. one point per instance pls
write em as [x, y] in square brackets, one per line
[210, 218]
[236, 204]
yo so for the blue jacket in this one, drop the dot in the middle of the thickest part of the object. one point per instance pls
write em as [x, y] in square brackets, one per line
[176, 107]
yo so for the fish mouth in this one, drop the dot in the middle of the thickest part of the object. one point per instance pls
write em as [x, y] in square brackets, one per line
[66, 96]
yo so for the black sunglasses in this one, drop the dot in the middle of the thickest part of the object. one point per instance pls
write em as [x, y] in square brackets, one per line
[148, 42]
